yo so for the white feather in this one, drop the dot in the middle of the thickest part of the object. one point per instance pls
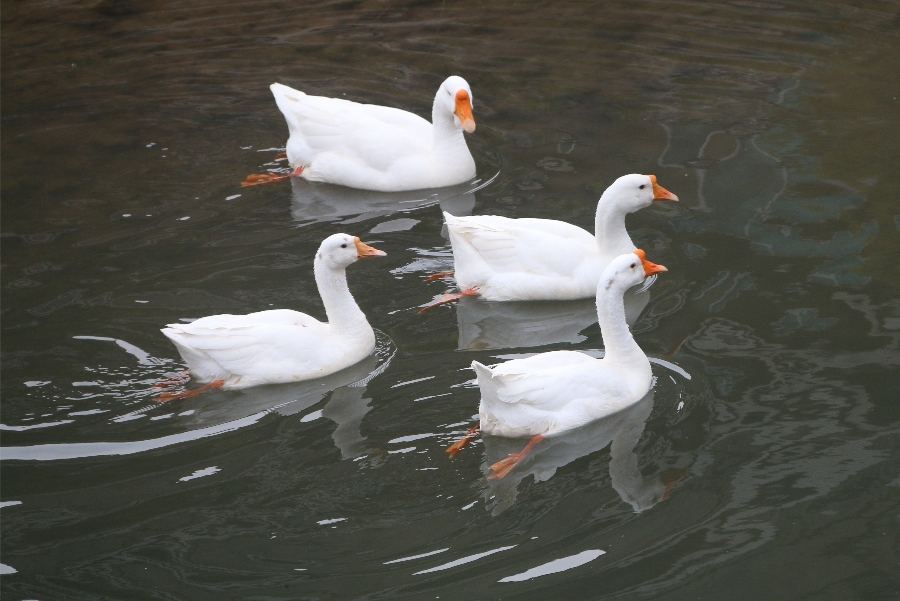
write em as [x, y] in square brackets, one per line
[281, 345]
[375, 147]
[544, 259]
[553, 392]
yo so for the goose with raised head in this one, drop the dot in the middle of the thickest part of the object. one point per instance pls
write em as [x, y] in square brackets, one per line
[374, 147]
[281, 345]
[505, 259]
[550, 393]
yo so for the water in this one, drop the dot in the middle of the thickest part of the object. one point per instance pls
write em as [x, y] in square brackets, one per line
[764, 464]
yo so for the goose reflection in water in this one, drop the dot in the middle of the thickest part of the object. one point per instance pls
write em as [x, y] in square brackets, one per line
[620, 431]
[490, 325]
[219, 412]
[346, 403]
[316, 203]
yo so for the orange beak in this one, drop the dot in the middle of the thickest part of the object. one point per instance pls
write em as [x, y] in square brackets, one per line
[363, 250]
[660, 193]
[463, 111]
[649, 268]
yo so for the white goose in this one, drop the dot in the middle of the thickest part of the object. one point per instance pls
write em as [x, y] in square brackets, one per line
[550, 393]
[376, 147]
[504, 259]
[269, 347]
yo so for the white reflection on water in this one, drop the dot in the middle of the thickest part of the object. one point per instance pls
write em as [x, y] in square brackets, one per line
[52, 452]
[419, 556]
[463, 560]
[201, 473]
[557, 565]
[620, 431]
[142, 356]
[316, 203]
[346, 407]
[488, 325]
[36, 426]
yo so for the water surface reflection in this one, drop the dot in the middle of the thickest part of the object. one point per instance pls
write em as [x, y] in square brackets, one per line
[494, 325]
[126, 127]
[314, 203]
[620, 431]
[219, 412]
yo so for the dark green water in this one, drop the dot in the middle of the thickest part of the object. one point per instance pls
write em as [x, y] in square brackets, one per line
[763, 467]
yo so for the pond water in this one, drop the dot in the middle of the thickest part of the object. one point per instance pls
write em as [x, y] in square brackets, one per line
[763, 465]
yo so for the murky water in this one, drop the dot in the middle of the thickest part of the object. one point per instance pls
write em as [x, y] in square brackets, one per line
[763, 465]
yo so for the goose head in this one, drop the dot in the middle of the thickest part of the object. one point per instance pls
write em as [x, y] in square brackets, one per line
[634, 191]
[340, 250]
[455, 98]
[629, 270]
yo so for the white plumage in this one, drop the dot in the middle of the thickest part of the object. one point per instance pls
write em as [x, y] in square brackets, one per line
[376, 147]
[553, 392]
[506, 259]
[282, 345]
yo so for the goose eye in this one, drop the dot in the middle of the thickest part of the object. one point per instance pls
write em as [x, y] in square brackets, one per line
[632, 265]
[642, 186]
[344, 245]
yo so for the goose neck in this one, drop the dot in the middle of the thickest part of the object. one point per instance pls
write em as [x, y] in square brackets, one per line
[340, 306]
[447, 136]
[618, 343]
[609, 228]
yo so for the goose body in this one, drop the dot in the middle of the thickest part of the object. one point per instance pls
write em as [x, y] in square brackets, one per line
[379, 148]
[549, 393]
[281, 345]
[505, 259]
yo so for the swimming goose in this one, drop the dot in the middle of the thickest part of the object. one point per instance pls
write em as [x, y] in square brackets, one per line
[375, 147]
[504, 259]
[550, 393]
[280, 345]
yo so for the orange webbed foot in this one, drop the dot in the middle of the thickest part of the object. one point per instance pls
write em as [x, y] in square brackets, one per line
[449, 297]
[502, 468]
[440, 275]
[454, 449]
[165, 397]
[179, 379]
[260, 179]
[671, 478]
